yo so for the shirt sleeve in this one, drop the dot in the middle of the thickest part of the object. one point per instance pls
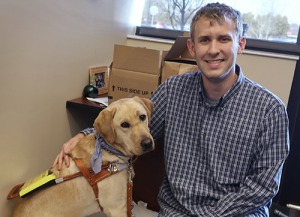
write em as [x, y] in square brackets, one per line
[263, 180]
[88, 131]
[157, 122]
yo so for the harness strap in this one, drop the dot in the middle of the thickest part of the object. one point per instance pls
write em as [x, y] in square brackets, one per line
[14, 193]
[129, 198]
[92, 178]
[73, 176]
[89, 177]
[107, 170]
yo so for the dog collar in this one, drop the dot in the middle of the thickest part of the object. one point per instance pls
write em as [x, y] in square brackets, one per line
[96, 159]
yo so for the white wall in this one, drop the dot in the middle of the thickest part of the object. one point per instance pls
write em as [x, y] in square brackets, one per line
[46, 48]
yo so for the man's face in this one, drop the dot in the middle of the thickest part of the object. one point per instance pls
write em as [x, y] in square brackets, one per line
[215, 48]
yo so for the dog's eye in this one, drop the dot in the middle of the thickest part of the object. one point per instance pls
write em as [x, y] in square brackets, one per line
[125, 125]
[142, 117]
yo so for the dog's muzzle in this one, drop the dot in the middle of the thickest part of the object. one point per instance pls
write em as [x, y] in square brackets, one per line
[147, 144]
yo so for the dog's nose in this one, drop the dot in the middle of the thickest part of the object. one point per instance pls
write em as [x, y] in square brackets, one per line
[147, 144]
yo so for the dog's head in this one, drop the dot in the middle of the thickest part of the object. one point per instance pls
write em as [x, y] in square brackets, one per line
[124, 124]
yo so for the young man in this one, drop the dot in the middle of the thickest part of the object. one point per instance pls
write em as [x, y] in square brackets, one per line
[226, 137]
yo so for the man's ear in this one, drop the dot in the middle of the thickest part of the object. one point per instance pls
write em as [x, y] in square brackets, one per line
[148, 105]
[242, 45]
[104, 125]
[191, 47]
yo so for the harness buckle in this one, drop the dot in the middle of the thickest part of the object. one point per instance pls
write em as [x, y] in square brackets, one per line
[130, 173]
[113, 167]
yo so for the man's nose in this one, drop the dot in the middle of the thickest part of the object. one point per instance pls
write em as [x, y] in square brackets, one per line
[214, 47]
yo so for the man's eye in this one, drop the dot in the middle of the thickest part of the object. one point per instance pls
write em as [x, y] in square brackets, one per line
[203, 41]
[125, 125]
[142, 117]
[225, 39]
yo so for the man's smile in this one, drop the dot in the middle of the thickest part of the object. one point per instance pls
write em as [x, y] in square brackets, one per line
[214, 61]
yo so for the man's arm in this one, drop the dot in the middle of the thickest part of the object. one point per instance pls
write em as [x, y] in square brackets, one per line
[63, 156]
[263, 180]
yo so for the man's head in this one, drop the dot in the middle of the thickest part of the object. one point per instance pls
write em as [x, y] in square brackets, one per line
[217, 12]
[216, 40]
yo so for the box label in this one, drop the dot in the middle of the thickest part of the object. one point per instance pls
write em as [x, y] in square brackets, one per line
[124, 84]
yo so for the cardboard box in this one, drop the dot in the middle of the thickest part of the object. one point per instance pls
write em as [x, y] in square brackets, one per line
[124, 83]
[178, 59]
[137, 59]
[176, 68]
[135, 72]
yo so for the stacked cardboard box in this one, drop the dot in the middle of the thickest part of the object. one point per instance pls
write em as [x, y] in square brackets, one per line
[138, 71]
[178, 60]
[135, 72]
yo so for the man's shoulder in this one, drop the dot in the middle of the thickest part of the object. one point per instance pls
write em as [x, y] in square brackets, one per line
[261, 93]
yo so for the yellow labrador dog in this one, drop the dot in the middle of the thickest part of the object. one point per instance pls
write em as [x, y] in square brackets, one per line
[123, 126]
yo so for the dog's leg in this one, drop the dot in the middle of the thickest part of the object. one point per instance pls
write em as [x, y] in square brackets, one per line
[113, 194]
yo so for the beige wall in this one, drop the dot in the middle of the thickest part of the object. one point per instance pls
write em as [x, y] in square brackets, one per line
[271, 71]
[46, 48]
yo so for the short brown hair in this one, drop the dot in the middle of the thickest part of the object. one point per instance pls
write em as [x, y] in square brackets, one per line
[218, 12]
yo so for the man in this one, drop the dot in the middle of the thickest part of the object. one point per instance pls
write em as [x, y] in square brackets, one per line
[226, 137]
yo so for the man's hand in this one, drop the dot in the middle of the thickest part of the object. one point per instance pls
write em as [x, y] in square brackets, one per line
[63, 156]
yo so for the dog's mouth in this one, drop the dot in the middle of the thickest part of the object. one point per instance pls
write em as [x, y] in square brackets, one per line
[145, 145]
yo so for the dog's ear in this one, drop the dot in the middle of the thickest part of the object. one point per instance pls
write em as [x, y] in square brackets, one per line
[148, 105]
[104, 124]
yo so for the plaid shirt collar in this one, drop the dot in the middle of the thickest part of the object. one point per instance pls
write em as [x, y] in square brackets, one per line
[229, 94]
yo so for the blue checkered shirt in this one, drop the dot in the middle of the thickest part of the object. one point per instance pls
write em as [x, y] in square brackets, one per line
[221, 160]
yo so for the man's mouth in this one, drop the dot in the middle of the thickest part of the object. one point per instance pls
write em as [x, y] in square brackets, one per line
[215, 61]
